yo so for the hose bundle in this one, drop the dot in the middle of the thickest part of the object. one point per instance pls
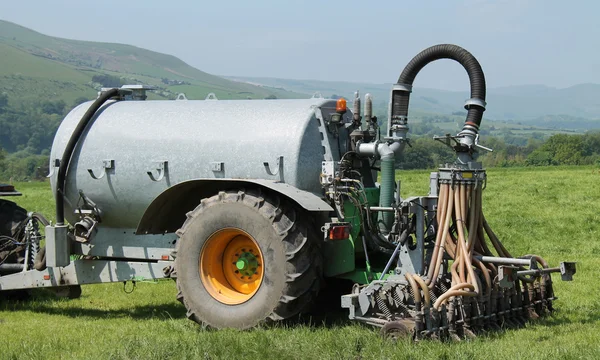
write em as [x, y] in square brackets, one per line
[464, 236]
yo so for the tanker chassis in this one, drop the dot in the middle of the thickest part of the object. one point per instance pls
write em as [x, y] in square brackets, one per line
[251, 205]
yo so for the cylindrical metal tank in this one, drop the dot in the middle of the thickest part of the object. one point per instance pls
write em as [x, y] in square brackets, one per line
[197, 140]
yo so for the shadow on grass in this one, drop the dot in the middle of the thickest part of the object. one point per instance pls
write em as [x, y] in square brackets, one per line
[326, 313]
[47, 304]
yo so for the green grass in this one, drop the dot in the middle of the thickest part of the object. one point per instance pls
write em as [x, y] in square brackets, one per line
[553, 212]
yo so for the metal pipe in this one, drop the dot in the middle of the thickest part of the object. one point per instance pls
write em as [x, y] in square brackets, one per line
[505, 261]
[11, 268]
[381, 208]
[403, 237]
[538, 272]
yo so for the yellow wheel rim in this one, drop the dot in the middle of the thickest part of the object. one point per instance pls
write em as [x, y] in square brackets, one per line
[231, 266]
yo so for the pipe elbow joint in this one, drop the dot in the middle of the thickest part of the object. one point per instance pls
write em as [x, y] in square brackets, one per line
[397, 147]
[385, 152]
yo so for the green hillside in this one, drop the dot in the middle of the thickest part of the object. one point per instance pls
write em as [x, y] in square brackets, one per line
[518, 103]
[35, 66]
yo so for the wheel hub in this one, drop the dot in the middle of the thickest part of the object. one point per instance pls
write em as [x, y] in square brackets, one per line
[247, 264]
[231, 266]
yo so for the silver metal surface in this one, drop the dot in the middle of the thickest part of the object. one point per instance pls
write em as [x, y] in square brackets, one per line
[402, 87]
[85, 272]
[57, 246]
[411, 260]
[190, 135]
[475, 101]
[508, 261]
[124, 243]
[381, 208]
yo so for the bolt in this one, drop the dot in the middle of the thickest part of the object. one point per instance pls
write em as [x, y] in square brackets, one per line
[243, 250]
[237, 271]
[250, 250]
[237, 254]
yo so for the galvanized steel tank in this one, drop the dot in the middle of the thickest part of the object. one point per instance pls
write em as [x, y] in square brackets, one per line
[198, 140]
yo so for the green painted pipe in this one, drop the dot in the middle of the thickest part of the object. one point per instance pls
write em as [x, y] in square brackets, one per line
[385, 219]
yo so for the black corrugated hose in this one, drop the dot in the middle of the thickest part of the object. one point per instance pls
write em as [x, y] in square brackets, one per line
[68, 153]
[443, 51]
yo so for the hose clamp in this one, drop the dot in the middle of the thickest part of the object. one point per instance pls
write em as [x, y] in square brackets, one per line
[402, 87]
[475, 102]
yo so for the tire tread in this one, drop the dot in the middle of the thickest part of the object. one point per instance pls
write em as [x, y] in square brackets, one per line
[302, 254]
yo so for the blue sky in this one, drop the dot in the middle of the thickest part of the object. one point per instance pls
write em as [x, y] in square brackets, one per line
[555, 43]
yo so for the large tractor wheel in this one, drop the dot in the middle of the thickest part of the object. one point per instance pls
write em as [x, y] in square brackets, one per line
[245, 258]
[12, 227]
[12, 250]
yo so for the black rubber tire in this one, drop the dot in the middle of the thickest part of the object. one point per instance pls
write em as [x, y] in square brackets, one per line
[292, 260]
[11, 219]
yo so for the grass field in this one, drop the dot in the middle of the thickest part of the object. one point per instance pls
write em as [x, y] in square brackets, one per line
[553, 212]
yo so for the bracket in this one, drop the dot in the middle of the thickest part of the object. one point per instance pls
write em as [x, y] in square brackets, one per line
[55, 165]
[507, 276]
[567, 270]
[106, 164]
[161, 167]
[279, 168]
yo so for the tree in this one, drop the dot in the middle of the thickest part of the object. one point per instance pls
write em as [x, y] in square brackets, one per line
[53, 107]
[80, 100]
[3, 101]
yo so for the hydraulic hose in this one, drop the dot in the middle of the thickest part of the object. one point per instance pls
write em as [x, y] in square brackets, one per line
[61, 179]
[476, 106]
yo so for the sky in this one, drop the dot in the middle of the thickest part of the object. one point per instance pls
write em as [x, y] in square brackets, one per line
[517, 42]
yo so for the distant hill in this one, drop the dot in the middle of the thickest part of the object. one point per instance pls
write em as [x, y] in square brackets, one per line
[520, 103]
[34, 66]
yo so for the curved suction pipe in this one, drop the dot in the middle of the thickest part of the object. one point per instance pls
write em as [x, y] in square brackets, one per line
[61, 181]
[475, 105]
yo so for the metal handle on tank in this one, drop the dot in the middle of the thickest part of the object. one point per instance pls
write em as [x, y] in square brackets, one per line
[55, 165]
[106, 164]
[279, 168]
[161, 168]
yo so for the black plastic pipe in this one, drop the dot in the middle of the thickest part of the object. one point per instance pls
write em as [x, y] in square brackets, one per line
[400, 98]
[61, 180]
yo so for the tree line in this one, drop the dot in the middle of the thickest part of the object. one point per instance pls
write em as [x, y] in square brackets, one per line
[559, 149]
